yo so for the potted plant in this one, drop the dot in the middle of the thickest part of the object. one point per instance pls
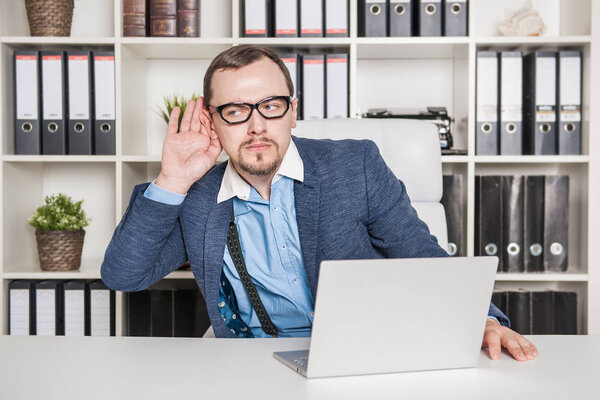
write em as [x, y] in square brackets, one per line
[59, 233]
[49, 17]
[169, 103]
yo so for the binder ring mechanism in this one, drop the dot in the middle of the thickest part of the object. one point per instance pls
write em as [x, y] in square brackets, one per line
[570, 127]
[400, 9]
[545, 128]
[375, 9]
[556, 249]
[430, 9]
[486, 128]
[452, 249]
[511, 128]
[26, 127]
[105, 128]
[455, 9]
[491, 249]
[513, 249]
[52, 127]
[536, 249]
[79, 127]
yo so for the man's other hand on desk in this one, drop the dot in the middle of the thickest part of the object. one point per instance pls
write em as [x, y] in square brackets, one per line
[497, 336]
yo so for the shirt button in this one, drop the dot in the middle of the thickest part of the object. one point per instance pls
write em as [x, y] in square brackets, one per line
[222, 304]
[234, 316]
[275, 208]
[295, 280]
[283, 247]
[244, 329]
[312, 314]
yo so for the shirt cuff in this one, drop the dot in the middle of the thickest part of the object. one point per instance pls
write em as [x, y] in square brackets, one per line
[156, 193]
[494, 318]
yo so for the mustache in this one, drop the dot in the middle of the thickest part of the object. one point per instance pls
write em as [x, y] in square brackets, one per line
[258, 141]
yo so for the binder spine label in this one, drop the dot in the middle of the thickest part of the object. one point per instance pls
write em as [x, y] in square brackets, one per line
[52, 87]
[105, 88]
[487, 89]
[100, 318]
[79, 102]
[570, 89]
[27, 88]
[545, 89]
[19, 312]
[511, 90]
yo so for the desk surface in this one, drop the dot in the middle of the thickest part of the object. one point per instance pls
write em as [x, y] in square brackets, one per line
[169, 368]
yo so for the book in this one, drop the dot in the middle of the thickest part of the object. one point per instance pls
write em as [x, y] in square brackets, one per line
[134, 18]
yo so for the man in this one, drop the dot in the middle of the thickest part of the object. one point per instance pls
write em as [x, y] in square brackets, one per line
[255, 229]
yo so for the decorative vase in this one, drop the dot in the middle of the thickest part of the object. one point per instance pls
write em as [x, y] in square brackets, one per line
[60, 250]
[49, 17]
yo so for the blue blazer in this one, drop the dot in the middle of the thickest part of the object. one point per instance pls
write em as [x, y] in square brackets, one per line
[350, 206]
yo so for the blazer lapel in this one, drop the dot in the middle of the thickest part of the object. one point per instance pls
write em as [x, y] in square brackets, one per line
[215, 239]
[307, 216]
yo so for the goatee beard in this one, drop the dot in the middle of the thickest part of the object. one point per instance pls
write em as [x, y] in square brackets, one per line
[258, 169]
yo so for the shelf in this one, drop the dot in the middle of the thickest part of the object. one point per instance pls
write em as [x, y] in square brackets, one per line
[141, 159]
[58, 158]
[541, 277]
[296, 42]
[58, 40]
[528, 159]
[532, 40]
[455, 159]
[90, 269]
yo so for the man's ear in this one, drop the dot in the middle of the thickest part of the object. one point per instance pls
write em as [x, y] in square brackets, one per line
[294, 112]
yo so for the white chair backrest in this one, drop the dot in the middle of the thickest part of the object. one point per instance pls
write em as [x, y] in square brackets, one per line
[410, 148]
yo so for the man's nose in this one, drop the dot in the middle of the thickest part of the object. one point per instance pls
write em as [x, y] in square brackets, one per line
[257, 124]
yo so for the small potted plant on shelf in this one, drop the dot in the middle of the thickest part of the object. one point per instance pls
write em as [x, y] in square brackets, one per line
[59, 233]
[49, 17]
[169, 103]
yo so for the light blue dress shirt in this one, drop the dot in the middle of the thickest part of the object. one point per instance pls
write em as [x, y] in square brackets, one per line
[271, 247]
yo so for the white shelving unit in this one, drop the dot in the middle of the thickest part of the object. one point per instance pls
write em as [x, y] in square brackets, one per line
[384, 72]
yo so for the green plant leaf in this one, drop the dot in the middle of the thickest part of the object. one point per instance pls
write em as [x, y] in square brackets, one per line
[59, 213]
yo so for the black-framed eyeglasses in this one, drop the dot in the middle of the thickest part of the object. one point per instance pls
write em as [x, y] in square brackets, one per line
[270, 108]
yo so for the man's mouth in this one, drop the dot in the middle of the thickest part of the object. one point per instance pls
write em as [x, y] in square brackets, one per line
[261, 146]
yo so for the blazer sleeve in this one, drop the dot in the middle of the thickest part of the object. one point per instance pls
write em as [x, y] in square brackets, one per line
[146, 245]
[394, 226]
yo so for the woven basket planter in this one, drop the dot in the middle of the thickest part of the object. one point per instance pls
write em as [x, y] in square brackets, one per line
[49, 17]
[60, 250]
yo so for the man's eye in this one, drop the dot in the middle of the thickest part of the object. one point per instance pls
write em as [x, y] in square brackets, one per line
[272, 106]
[233, 113]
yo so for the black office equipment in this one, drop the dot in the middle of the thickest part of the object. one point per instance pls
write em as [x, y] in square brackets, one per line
[79, 69]
[372, 18]
[487, 103]
[512, 221]
[511, 103]
[456, 17]
[488, 217]
[533, 223]
[539, 103]
[556, 223]
[104, 103]
[453, 202]
[400, 18]
[27, 103]
[569, 102]
[429, 17]
[54, 102]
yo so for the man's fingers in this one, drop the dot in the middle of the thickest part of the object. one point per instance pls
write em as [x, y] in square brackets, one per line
[513, 346]
[195, 124]
[528, 348]
[187, 116]
[492, 339]
[173, 120]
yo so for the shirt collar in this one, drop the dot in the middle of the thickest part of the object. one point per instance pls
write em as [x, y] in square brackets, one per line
[232, 184]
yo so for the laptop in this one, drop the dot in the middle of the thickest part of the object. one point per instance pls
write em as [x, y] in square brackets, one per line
[396, 315]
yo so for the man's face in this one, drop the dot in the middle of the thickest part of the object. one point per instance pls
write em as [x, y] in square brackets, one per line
[257, 146]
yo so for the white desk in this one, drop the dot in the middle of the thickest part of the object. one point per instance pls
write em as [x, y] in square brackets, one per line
[180, 368]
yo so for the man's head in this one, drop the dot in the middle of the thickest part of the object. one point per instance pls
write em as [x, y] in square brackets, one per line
[249, 74]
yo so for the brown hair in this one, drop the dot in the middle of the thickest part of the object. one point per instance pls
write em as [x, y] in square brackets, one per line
[238, 57]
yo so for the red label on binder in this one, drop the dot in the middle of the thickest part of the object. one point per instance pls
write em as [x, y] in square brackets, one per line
[337, 30]
[286, 31]
[288, 60]
[51, 58]
[313, 61]
[313, 30]
[255, 31]
[104, 58]
[78, 58]
[336, 60]
[27, 58]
